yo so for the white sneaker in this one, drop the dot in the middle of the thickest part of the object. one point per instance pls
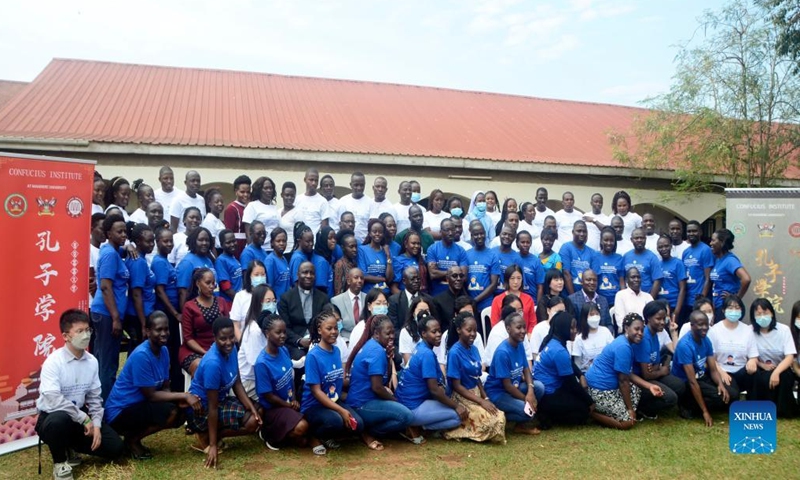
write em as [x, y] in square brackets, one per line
[73, 458]
[62, 471]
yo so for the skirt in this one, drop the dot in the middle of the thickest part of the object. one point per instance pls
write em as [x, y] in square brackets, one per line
[279, 422]
[610, 402]
[481, 426]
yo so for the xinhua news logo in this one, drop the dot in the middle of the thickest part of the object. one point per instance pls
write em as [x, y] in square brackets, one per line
[753, 428]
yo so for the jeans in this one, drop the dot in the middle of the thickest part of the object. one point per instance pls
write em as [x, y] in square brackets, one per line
[106, 350]
[514, 408]
[326, 423]
[383, 417]
[434, 415]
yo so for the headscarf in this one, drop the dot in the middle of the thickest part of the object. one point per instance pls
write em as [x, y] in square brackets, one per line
[321, 244]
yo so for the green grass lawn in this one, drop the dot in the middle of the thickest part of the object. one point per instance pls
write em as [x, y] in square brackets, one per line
[667, 448]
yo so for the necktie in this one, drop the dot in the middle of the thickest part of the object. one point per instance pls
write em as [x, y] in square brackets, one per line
[356, 309]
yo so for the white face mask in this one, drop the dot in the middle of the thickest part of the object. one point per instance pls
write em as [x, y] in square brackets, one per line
[710, 318]
[593, 321]
[81, 340]
[797, 323]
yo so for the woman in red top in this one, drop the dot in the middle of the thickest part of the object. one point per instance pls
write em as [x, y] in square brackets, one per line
[197, 318]
[513, 284]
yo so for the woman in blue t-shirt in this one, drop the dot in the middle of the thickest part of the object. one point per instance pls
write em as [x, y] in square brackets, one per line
[199, 256]
[609, 267]
[167, 301]
[612, 384]
[370, 369]
[410, 256]
[328, 416]
[728, 275]
[510, 383]
[275, 387]
[464, 368]
[673, 283]
[375, 257]
[565, 400]
[421, 386]
[142, 284]
[276, 265]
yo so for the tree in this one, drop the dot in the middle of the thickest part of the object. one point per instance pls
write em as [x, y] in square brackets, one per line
[731, 115]
[785, 14]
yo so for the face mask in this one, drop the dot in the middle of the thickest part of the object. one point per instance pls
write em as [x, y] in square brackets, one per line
[456, 212]
[270, 307]
[764, 321]
[340, 325]
[380, 310]
[416, 197]
[733, 315]
[81, 341]
[710, 318]
[593, 321]
[797, 323]
[480, 206]
[256, 281]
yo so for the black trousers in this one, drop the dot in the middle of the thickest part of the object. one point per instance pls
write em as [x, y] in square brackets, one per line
[673, 388]
[711, 397]
[59, 433]
[782, 395]
[176, 380]
[568, 405]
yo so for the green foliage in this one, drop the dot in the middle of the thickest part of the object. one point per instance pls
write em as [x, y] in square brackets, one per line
[731, 115]
[785, 14]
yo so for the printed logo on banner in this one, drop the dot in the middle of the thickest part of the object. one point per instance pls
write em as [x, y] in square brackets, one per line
[74, 207]
[46, 207]
[794, 230]
[766, 230]
[753, 428]
[15, 205]
[738, 229]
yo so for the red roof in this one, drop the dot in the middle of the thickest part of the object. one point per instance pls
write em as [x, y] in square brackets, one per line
[9, 89]
[112, 102]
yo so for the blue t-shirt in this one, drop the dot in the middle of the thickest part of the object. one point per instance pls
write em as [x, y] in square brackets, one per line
[609, 269]
[576, 261]
[229, 269]
[412, 389]
[141, 277]
[508, 362]
[323, 368]
[373, 264]
[674, 273]
[110, 266]
[696, 260]
[552, 365]
[399, 263]
[616, 358]
[532, 274]
[648, 264]
[687, 352]
[481, 265]
[445, 257]
[274, 374]
[724, 277]
[278, 274]
[188, 265]
[505, 260]
[250, 253]
[647, 351]
[395, 248]
[464, 365]
[142, 370]
[167, 276]
[215, 372]
[371, 360]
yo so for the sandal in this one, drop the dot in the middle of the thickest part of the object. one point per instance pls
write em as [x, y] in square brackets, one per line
[320, 450]
[375, 445]
[420, 440]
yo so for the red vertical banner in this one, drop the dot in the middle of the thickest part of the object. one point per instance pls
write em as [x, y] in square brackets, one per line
[44, 264]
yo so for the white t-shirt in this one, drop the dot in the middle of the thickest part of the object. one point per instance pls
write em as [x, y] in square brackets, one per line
[377, 208]
[240, 306]
[732, 348]
[333, 211]
[179, 249]
[165, 199]
[139, 216]
[775, 345]
[626, 301]
[287, 223]
[651, 243]
[253, 342]
[406, 345]
[593, 237]
[677, 250]
[97, 208]
[541, 330]
[94, 254]
[269, 215]
[465, 245]
[624, 246]
[632, 221]
[124, 212]
[359, 207]
[585, 351]
[312, 209]
[530, 228]
[181, 202]
[495, 216]
[496, 337]
[538, 219]
[214, 225]
[441, 355]
[434, 220]
[401, 216]
[565, 220]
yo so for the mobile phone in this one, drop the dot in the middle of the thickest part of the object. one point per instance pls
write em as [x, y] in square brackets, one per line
[529, 411]
[353, 423]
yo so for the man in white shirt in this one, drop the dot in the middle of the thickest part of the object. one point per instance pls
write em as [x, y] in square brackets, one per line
[624, 245]
[631, 299]
[402, 208]
[676, 236]
[69, 404]
[651, 235]
[358, 204]
[542, 211]
[167, 193]
[326, 188]
[381, 204]
[567, 216]
[351, 303]
[595, 222]
[313, 207]
[184, 200]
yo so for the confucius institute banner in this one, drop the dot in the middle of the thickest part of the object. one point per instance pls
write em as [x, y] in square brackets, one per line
[45, 220]
[766, 223]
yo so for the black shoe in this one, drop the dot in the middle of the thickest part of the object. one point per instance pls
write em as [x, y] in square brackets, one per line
[686, 413]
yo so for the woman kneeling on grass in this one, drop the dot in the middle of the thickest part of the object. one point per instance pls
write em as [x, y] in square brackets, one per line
[612, 384]
[274, 379]
[222, 416]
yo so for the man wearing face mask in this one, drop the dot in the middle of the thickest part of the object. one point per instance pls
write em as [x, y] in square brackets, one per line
[351, 302]
[298, 307]
[588, 294]
[416, 192]
[69, 404]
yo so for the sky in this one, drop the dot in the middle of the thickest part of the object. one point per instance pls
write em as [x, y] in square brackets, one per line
[607, 51]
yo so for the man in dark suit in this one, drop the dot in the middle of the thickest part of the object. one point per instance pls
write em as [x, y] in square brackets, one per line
[588, 293]
[399, 302]
[298, 307]
[445, 302]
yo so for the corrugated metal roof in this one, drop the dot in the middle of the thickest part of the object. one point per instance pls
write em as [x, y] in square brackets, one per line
[112, 102]
[9, 89]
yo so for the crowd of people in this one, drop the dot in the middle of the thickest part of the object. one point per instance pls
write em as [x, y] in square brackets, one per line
[325, 318]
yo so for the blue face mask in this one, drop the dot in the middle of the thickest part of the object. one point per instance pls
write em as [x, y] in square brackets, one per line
[416, 197]
[456, 212]
[270, 307]
[340, 325]
[480, 207]
[733, 315]
[380, 310]
[764, 321]
[256, 281]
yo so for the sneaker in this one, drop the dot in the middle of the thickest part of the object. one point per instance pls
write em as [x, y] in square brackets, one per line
[261, 436]
[62, 471]
[641, 417]
[73, 459]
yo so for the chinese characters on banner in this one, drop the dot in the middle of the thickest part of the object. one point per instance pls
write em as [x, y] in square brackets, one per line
[45, 218]
[766, 223]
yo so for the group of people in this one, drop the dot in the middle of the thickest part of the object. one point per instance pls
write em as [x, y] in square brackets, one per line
[335, 317]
